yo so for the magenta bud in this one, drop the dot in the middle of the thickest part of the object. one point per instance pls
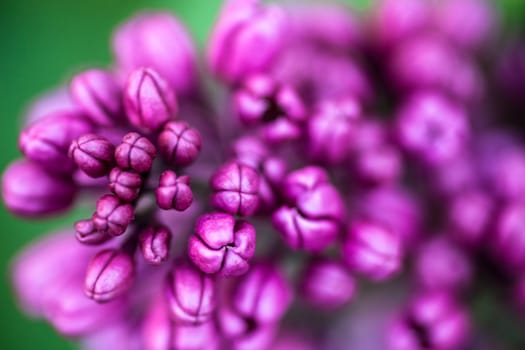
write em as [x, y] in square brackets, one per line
[263, 295]
[135, 152]
[432, 128]
[149, 100]
[174, 192]
[277, 108]
[441, 265]
[222, 245]
[326, 284]
[313, 217]
[126, 184]
[246, 39]
[86, 233]
[373, 250]
[109, 274]
[99, 96]
[159, 41]
[155, 244]
[469, 216]
[47, 140]
[28, 190]
[93, 154]
[179, 144]
[190, 294]
[112, 216]
[508, 240]
[331, 130]
[235, 189]
[434, 320]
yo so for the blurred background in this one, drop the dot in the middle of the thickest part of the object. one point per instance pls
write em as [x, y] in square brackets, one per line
[43, 43]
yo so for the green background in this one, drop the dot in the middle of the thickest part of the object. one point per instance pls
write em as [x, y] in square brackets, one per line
[42, 43]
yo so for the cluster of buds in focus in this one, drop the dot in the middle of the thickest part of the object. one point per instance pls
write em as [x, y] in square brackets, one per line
[342, 148]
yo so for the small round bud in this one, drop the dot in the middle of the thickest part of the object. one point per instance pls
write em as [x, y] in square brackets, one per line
[235, 189]
[112, 216]
[86, 233]
[149, 101]
[373, 251]
[222, 245]
[99, 96]
[28, 190]
[93, 154]
[157, 40]
[155, 244]
[246, 39]
[109, 274]
[326, 284]
[47, 140]
[174, 192]
[126, 184]
[135, 152]
[179, 144]
[190, 294]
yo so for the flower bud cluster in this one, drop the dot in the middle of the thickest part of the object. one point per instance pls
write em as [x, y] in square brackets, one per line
[344, 152]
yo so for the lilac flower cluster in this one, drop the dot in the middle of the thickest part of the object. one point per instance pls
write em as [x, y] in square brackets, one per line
[341, 149]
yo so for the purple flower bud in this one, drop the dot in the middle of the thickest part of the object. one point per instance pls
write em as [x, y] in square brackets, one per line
[432, 321]
[262, 296]
[99, 96]
[378, 165]
[331, 130]
[326, 284]
[412, 65]
[235, 189]
[469, 216]
[179, 144]
[247, 37]
[396, 20]
[440, 265]
[373, 250]
[150, 102]
[135, 152]
[159, 41]
[47, 140]
[55, 100]
[112, 216]
[155, 244]
[109, 274]
[195, 337]
[174, 192]
[86, 233]
[468, 23]
[126, 184]
[316, 211]
[508, 242]
[190, 294]
[432, 128]
[30, 191]
[393, 208]
[222, 245]
[262, 101]
[93, 154]
[328, 25]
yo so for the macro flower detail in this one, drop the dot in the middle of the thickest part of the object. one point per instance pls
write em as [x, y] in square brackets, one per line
[135, 152]
[350, 180]
[235, 189]
[190, 294]
[174, 192]
[222, 245]
[313, 218]
[112, 216]
[155, 244]
[93, 154]
[149, 101]
[179, 144]
[109, 274]
[98, 94]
